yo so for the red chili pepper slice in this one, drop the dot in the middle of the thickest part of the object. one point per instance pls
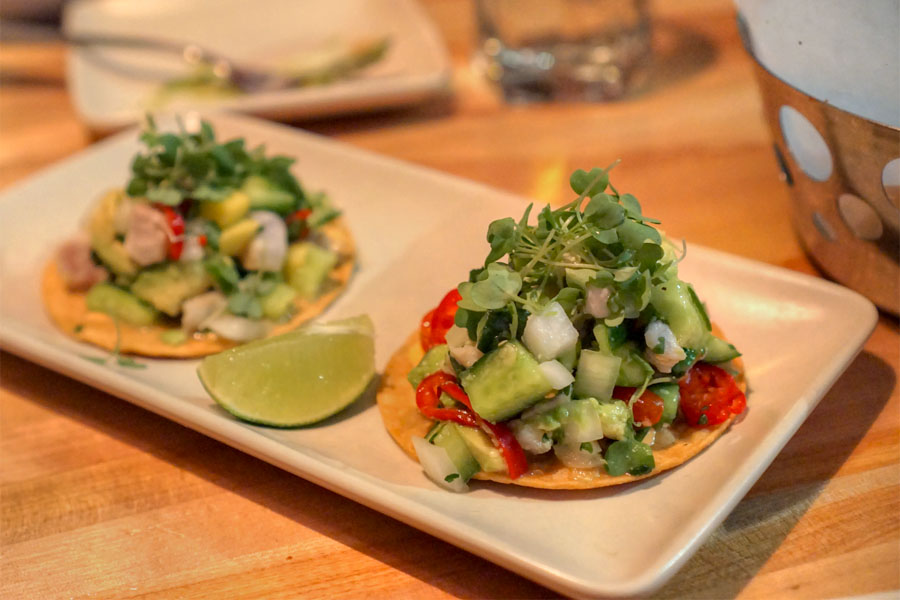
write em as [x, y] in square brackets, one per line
[176, 225]
[501, 436]
[440, 321]
[298, 215]
[428, 395]
[647, 410]
[425, 330]
[201, 239]
[709, 396]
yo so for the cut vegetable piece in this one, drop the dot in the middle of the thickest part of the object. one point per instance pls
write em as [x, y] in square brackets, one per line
[488, 456]
[278, 302]
[718, 350]
[432, 362]
[550, 333]
[120, 304]
[238, 236]
[265, 195]
[447, 436]
[438, 466]
[505, 382]
[307, 267]
[675, 305]
[166, 286]
[228, 211]
[596, 375]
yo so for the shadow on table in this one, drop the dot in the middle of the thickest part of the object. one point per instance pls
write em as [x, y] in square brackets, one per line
[724, 564]
[382, 538]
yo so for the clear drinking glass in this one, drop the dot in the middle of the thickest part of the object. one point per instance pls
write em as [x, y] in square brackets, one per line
[564, 49]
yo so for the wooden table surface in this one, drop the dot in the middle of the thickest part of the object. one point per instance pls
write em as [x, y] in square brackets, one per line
[101, 499]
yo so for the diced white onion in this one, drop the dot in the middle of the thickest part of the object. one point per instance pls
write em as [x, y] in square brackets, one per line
[438, 466]
[237, 328]
[549, 333]
[573, 456]
[663, 439]
[672, 353]
[197, 311]
[557, 374]
[461, 347]
[531, 438]
[266, 252]
[596, 302]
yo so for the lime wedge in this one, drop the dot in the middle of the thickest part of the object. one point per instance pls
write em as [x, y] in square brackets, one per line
[294, 379]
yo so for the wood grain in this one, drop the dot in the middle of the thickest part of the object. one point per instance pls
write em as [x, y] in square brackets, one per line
[101, 499]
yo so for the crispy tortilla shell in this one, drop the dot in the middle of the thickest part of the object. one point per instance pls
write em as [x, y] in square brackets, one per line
[69, 311]
[397, 403]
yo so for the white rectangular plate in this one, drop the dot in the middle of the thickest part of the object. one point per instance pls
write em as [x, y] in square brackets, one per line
[107, 94]
[418, 233]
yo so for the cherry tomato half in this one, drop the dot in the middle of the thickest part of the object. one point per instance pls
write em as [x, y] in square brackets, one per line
[709, 396]
[647, 410]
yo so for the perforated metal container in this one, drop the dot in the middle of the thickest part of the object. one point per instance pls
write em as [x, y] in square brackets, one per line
[842, 170]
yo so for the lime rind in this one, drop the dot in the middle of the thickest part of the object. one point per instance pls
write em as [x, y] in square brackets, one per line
[296, 379]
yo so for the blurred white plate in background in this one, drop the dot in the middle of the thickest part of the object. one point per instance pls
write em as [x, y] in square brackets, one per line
[114, 87]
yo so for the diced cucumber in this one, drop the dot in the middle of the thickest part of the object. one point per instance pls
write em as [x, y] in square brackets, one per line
[673, 301]
[505, 382]
[583, 422]
[120, 304]
[488, 456]
[569, 358]
[438, 466]
[307, 267]
[230, 210]
[167, 285]
[447, 436]
[596, 375]
[718, 350]
[113, 254]
[430, 363]
[236, 237]
[634, 370]
[265, 195]
[670, 394]
[609, 338]
[278, 302]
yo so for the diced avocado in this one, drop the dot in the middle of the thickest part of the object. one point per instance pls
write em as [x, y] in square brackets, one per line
[113, 254]
[278, 301]
[505, 382]
[120, 304]
[102, 224]
[629, 456]
[718, 350]
[235, 238]
[488, 456]
[265, 195]
[670, 395]
[634, 370]
[447, 437]
[596, 375]
[430, 363]
[307, 267]
[614, 416]
[167, 285]
[675, 304]
[230, 210]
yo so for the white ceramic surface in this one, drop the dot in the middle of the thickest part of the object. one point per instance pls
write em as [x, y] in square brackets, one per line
[265, 32]
[798, 333]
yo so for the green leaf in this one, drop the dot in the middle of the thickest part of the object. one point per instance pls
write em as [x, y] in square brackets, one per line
[501, 236]
[495, 291]
[597, 179]
[603, 211]
[136, 187]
